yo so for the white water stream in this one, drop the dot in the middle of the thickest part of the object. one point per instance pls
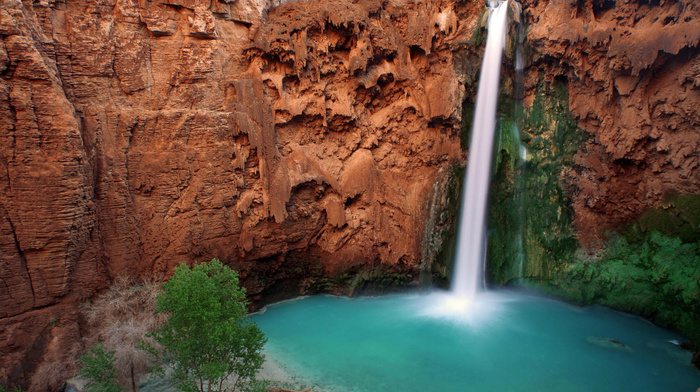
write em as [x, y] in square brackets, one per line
[471, 245]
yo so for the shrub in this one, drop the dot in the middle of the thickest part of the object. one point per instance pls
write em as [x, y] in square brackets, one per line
[209, 341]
[13, 389]
[655, 276]
[121, 318]
[98, 369]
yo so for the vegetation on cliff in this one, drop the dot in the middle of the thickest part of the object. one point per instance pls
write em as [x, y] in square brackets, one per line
[118, 321]
[651, 267]
[195, 324]
[98, 368]
[529, 199]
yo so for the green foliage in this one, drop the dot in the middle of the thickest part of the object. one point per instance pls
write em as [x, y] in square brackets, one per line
[530, 198]
[656, 276]
[208, 338]
[98, 368]
[257, 386]
[507, 196]
[13, 389]
[478, 36]
[552, 138]
[651, 268]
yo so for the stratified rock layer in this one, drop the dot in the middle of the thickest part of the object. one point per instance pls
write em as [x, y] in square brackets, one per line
[299, 143]
[631, 69]
[294, 143]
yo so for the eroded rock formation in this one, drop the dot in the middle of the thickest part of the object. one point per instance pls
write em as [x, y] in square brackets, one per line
[295, 143]
[633, 74]
[299, 143]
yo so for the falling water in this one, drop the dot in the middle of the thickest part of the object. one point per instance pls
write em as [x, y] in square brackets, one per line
[522, 151]
[472, 231]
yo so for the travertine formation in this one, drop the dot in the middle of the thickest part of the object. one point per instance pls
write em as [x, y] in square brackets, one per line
[633, 74]
[293, 141]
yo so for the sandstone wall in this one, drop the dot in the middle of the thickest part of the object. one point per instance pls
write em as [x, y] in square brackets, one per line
[294, 142]
[632, 70]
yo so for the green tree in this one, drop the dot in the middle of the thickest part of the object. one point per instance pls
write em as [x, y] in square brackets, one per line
[208, 339]
[98, 369]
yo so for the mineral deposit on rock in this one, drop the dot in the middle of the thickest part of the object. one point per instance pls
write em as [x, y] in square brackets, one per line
[292, 141]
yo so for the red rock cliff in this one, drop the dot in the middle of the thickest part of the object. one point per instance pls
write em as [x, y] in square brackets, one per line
[292, 142]
[632, 70]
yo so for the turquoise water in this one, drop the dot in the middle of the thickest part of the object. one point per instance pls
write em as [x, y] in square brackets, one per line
[506, 342]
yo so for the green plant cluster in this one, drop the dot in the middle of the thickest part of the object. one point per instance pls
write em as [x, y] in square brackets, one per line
[653, 275]
[12, 389]
[529, 197]
[506, 204]
[552, 138]
[479, 34]
[650, 268]
[207, 343]
[208, 340]
[98, 368]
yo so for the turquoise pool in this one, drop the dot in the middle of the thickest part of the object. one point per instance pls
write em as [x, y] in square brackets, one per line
[506, 341]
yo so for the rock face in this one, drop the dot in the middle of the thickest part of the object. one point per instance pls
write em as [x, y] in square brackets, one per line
[611, 185]
[299, 143]
[294, 142]
[631, 68]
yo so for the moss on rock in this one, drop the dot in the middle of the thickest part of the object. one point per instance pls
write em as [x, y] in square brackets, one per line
[530, 198]
[654, 275]
[441, 247]
[651, 267]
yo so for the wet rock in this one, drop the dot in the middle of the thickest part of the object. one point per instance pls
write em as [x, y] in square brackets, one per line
[608, 343]
[627, 67]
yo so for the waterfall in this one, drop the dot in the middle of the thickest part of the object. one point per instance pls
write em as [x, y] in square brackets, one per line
[471, 245]
[522, 151]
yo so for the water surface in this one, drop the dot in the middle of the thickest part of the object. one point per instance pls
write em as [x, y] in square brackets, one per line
[507, 342]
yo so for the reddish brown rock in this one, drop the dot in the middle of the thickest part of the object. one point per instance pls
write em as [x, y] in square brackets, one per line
[631, 69]
[292, 142]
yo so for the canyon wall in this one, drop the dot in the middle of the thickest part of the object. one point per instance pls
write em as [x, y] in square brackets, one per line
[297, 143]
[307, 145]
[631, 68]
[605, 207]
